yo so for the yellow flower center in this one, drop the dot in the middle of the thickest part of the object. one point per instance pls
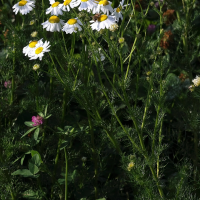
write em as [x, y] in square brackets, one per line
[22, 3]
[118, 10]
[102, 18]
[104, 2]
[55, 4]
[39, 50]
[84, 0]
[32, 44]
[72, 21]
[54, 19]
[67, 2]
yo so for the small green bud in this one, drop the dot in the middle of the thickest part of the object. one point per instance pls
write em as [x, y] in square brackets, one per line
[152, 3]
[112, 37]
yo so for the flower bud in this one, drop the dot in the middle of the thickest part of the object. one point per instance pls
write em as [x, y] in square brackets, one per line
[130, 166]
[36, 67]
[152, 3]
[34, 34]
[121, 40]
[32, 22]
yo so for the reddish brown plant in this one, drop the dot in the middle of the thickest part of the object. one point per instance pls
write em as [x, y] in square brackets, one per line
[166, 40]
[183, 77]
[169, 17]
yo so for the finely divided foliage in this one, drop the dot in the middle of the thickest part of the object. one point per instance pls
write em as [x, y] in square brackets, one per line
[99, 99]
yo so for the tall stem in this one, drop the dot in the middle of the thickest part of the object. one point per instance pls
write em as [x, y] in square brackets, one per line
[43, 9]
[73, 44]
[159, 142]
[195, 154]
[13, 78]
[94, 155]
[64, 42]
[66, 172]
[36, 85]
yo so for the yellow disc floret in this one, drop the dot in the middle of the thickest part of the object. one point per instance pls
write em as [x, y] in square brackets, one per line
[67, 2]
[32, 44]
[102, 18]
[84, 0]
[104, 2]
[72, 21]
[118, 10]
[22, 3]
[39, 50]
[55, 4]
[54, 19]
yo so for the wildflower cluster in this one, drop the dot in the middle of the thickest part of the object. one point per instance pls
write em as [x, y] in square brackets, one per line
[107, 19]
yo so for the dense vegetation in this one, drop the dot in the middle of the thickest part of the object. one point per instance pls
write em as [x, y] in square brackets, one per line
[99, 100]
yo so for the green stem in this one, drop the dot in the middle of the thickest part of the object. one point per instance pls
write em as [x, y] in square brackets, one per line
[159, 142]
[66, 172]
[195, 154]
[13, 77]
[155, 128]
[137, 85]
[51, 86]
[157, 183]
[64, 42]
[94, 154]
[12, 195]
[130, 55]
[72, 44]
[146, 108]
[56, 69]
[60, 139]
[158, 111]
[43, 9]
[36, 85]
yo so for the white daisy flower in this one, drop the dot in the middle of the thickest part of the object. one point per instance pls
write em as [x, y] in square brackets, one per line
[196, 81]
[31, 46]
[67, 4]
[96, 1]
[121, 4]
[117, 13]
[104, 6]
[84, 4]
[72, 25]
[104, 21]
[53, 24]
[23, 7]
[51, 1]
[55, 9]
[39, 51]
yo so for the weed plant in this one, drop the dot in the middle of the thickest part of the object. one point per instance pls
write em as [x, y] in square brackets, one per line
[99, 100]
